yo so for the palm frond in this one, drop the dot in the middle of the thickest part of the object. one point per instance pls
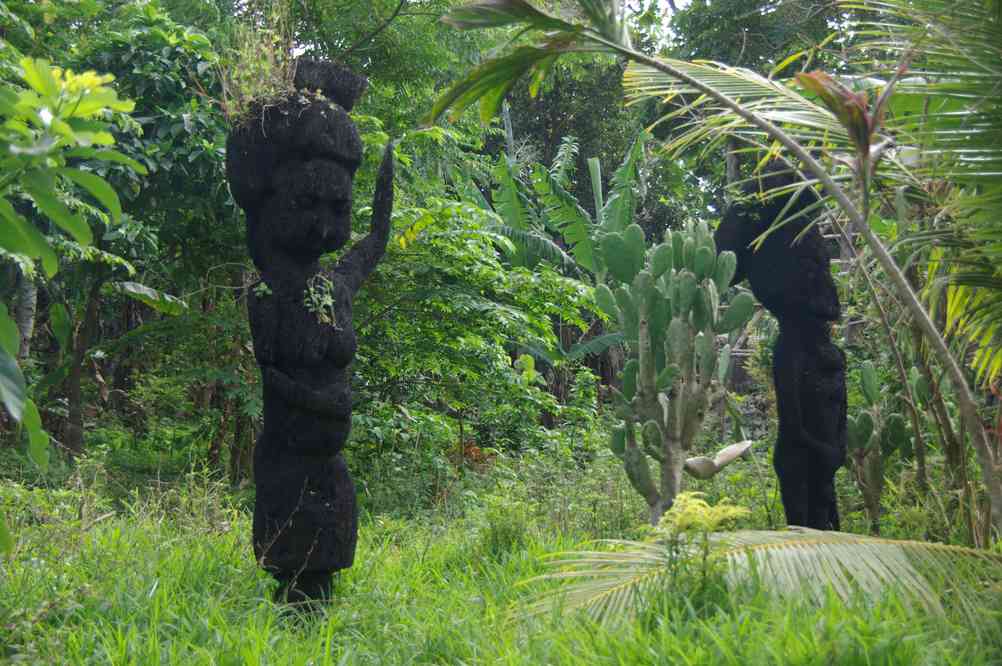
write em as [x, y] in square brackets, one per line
[531, 243]
[707, 124]
[948, 107]
[948, 111]
[795, 563]
[607, 585]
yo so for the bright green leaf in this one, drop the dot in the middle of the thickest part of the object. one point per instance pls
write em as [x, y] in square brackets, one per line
[12, 392]
[98, 187]
[38, 439]
[159, 301]
[10, 338]
[38, 75]
[62, 328]
[99, 100]
[41, 191]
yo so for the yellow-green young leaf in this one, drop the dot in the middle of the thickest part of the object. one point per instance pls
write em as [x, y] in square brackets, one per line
[38, 76]
[787, 62]
[99, 100]
[99, 189]
[38, 439]
[6, 538]
[411, 233]
[39, 188]
[10, 339]
[12, 392]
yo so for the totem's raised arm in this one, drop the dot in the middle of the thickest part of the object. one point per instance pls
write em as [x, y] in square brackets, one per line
[360, 260]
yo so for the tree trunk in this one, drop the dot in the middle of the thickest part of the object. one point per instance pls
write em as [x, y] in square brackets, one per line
[671, 481]
[82, 340]
[222, 408]
[24, 313]
[242, 448]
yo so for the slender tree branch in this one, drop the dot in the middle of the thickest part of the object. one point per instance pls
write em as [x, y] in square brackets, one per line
[372, 35]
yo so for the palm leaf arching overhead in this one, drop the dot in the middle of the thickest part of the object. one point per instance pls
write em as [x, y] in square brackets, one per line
[612, 585]
[711, 124]
[955, 72]
[950, 115]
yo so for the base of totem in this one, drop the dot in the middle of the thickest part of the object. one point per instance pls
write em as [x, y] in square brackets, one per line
[305, 587]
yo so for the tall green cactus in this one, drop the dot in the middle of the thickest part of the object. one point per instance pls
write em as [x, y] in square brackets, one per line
[666, 301]
[872, 434]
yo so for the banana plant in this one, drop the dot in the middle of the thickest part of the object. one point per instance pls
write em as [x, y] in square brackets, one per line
[542, 202]
[874, 433]
[666, 303]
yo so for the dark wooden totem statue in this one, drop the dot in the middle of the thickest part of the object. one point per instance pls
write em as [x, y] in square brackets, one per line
[291, 167]
[790, 275]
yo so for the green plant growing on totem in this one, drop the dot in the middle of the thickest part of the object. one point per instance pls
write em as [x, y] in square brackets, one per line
[874, 433]
[666, 302]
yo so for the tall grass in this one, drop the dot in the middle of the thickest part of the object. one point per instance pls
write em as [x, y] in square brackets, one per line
[166, 576]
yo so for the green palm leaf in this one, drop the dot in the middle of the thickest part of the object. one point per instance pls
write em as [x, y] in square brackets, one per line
[708, 124]
[532, 243]
[948, 111]
[796, 563]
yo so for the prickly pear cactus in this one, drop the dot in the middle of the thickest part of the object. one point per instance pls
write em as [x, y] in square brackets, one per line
[667, 302]
[873, 434]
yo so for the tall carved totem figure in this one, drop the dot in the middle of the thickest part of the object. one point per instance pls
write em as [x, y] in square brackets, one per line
[790, 275]
[291, 167]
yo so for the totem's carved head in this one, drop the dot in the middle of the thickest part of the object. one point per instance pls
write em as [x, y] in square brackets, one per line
[790, 272]
[292, 166]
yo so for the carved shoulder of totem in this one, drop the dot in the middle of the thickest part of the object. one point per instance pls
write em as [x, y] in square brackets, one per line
[264, 317]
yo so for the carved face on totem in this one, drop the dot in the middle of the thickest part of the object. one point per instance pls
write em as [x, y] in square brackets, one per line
[294, 171]
[308, 212]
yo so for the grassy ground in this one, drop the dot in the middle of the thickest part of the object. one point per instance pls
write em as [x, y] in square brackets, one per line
[165, 576]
